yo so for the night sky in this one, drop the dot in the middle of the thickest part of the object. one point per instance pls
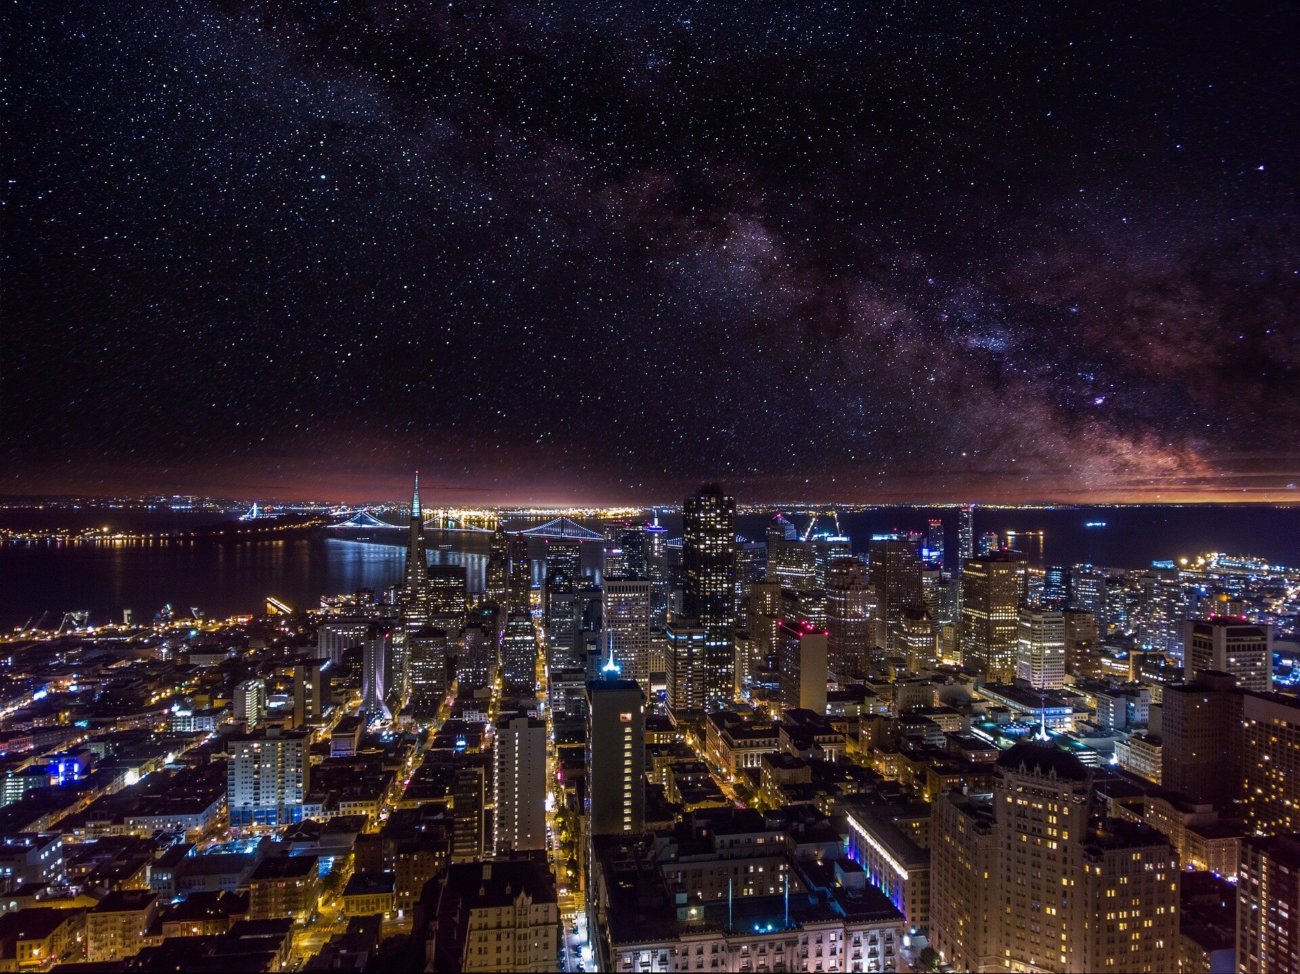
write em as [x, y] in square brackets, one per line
[602, 251]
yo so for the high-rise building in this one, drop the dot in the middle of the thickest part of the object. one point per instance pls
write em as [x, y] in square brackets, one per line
[990, 614]
[468, 803]
[625, 619]
[519, 655]
[250, 703]
[476, 665]
[615, 757]
[427, 677]
[802, 653]
[709, 576]
[519, 579]
[656, 541]
[311, 689]
[989, 543]
[1036, 881]
[793, 564]
[896, 580]
[447, 596]
[267, 777]
[934, 542]
[1198, 758]
[1082, 643]
[377, 650]
[519, 778]
[496, 577]
[918, 641]
[849, 623]
[416, 561]
[965, 534]
[1268, 905]
[496, 916]
[1040, 648]
[1232, 645]
[687, 661]
[1270, 762]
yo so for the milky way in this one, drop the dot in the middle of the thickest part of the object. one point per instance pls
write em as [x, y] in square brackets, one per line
[601, 250]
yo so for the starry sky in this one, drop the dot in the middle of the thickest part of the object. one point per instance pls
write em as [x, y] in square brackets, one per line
[600, 251]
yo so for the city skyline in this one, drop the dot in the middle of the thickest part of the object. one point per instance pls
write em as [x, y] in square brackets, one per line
[558, 255]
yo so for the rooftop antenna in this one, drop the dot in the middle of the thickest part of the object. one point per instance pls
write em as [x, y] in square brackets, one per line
[610, 669]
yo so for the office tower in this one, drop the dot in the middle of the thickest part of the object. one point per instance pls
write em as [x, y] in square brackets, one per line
[1082, 643]
[563, 610]
[1157, 611]
[988, 543]
[476, 664]
[1087, 591]
[563, 560]
[336, 636]
[917, 640]
[1034, 882]
[990, 614]
[519, 580]
[896, 580]
[761, 615]
[1268, 905]
[374, 662]
[709, 591]
[1040, 648]
[1056, 587]
[1270, 762]
[849, 625]
[427, 679]
[310, 692]
[826, 549]
[496, 577]
[687, 659]
[447, 598]
[416, 562]
[250, 703]
[657, 569]
[1116, 613]
[615, 758]
[519, 655]
[793, 564]
[965, 534]
[1198, 758]
[468, 805]
[1232, 645]
[519, 776]
[934, 542]
[802, 652]
[625, 619]
[267, 777]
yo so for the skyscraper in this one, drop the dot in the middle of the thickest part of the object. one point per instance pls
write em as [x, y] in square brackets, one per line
[918, 641]
[1037, 881]
[965, 534]
[896, 580]
[310, 691]
[519, 655]
[1268, 905]
[519, 777]
[687, 666]
[709, 569]
[625, 621]
[250, 703]
[267, 777]
[1232, 645]
[1040, 648]
[934, 542]
[802, 651]
[990, 614]
[416, 563]
[374, 662]
[427, 678]
[496, 579]
[615, 757]
[848, 617]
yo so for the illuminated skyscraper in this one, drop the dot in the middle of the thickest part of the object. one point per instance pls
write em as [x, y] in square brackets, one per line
[709, 591]
[1230, 645]
[990, 614]
[416, 564]
[1268, 905]
[496, 579]
[1040, 648]
[310, 691]
[687, 658]
[625, 619]
[802, 651]
[988, 543]
[849, 599]
[519, 655]
[615, 757]
[427, 679]
[896, 580]
[934, 542]
[965, 534]
[267, 777]
[250, 703]
[918, 642]
[374, 662]
[519, 775]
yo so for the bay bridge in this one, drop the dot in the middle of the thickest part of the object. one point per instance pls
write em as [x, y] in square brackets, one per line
[474, 522]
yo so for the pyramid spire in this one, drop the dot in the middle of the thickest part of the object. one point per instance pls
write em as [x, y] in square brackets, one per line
[416, 566]
[416, 510]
